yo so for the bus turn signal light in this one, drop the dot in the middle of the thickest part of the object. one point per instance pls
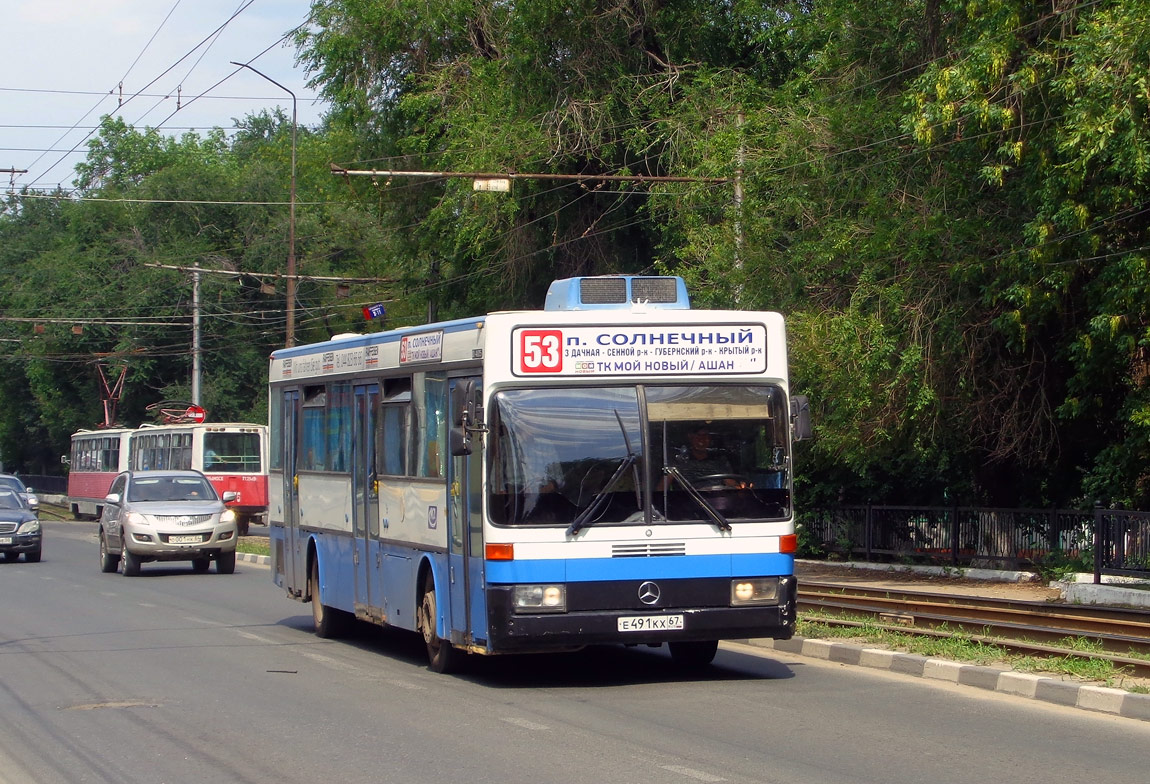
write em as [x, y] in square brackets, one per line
[789, 543]
[499, 552]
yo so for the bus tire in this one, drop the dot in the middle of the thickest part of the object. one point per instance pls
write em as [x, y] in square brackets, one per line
[226, 562]
[329, 622]
[441, 656]
[693, 653]
[108, 561]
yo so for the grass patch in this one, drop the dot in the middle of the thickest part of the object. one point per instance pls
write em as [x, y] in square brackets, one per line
[961, 647]
[256, 545]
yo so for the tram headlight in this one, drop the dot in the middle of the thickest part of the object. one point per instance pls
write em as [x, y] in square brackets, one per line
[539, 598]
[755, 590]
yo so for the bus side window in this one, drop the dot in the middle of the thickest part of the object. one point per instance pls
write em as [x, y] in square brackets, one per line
[433, 418]
[396, 425]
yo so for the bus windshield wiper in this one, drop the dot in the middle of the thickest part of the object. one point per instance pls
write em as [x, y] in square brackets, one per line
[715, 515]
[593, 508]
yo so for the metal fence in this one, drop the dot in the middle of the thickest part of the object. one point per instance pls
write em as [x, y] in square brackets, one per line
[1115, 542]
[56, 485]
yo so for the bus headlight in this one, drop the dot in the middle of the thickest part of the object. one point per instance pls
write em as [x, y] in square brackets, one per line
[539, 598]
[755, 590]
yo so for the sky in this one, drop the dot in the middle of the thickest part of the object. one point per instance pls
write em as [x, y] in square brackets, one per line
[63, 62]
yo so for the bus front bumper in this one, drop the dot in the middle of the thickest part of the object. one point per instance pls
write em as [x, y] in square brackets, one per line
[522, 632]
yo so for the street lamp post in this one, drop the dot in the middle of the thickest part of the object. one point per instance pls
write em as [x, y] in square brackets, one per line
[291, 276]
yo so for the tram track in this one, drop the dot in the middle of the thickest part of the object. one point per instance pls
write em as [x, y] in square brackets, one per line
[1118, 635]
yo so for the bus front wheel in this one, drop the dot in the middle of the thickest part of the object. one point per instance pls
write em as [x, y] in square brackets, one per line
[441, 656]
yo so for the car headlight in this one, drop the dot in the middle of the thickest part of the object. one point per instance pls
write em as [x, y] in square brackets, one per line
[33, 501]
[135, 518]
[755, 590]
[539, 598]
[228, 516]
[30, 527]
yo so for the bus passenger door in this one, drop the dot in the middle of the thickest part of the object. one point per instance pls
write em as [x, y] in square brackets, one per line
[465, 532]
[290, 442]
[365, 501]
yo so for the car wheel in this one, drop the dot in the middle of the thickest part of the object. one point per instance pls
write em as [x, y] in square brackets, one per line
[693, 654]
[226, 562]
[33, 556]
[129, 563]
[441, 656]
[201, 564]
[328, 621]
[108, 561]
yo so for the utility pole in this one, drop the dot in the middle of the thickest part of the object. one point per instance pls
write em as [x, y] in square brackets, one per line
[196, 350]
[291, 276]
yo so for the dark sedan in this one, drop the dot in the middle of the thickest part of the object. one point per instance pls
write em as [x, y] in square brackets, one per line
[19, 528]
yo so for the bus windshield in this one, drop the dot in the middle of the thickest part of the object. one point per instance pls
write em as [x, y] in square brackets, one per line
[693, 453]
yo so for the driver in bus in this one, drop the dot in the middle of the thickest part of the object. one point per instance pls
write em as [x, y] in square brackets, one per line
[699, 459]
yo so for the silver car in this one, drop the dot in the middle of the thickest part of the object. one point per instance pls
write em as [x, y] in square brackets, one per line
[166, 516]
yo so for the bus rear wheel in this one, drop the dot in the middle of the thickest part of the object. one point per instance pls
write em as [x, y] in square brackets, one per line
[441, 656]
[328, 621]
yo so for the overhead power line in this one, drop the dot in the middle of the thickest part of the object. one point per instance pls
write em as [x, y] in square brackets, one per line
[342, 172]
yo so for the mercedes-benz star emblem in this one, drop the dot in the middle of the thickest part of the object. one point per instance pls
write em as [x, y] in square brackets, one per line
[649, 593]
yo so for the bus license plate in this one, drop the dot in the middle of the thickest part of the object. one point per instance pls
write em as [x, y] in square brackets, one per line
[5, 540]
[185, 539]
[650, 623]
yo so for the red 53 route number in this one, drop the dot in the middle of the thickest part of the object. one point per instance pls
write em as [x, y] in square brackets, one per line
[540, 351]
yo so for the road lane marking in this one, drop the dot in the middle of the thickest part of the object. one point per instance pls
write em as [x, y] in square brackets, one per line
[697, 775]
[524, 723]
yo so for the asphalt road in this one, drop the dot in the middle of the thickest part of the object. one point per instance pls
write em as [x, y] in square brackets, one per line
[181, 677]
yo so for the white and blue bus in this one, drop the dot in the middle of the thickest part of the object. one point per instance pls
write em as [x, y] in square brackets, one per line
[615, 468]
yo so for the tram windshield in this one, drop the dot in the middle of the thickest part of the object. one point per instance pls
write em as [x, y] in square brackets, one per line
[231, 452]
[692, 453]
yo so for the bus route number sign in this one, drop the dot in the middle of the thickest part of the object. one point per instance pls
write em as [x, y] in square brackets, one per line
[540, 351]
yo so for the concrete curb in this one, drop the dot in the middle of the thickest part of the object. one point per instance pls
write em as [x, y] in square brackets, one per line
[263, 560]
[1019, 684]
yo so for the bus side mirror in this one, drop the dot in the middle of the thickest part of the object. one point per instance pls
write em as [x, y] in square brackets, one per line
[459, 442]
[462, 397]
[801, 429]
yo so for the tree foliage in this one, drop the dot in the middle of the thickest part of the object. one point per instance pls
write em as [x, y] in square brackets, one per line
[946, 199]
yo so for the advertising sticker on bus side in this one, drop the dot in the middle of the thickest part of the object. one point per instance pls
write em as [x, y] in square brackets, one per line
[650, 350]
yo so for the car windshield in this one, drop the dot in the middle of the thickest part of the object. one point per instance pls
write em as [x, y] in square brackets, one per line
[694, 453]
[12, 482]
[10, 500]
[170, 488]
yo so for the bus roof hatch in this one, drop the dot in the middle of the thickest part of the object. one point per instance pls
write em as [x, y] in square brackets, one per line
[614, 292]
